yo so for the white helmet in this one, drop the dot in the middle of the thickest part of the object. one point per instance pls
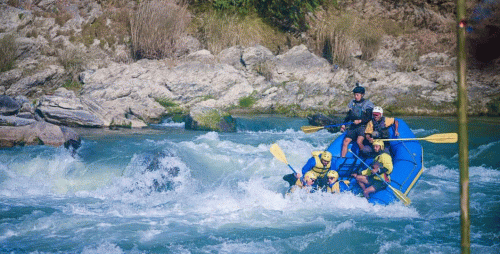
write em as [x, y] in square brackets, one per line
[378, 109]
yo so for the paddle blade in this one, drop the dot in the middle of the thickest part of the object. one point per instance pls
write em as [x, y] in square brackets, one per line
[311, 129]
[406, 201]
[442, 138]
[278, 153]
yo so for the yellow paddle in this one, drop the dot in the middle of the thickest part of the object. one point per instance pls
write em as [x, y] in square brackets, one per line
[435, 138]
[311, 129]
[406, 201]
[280, 155]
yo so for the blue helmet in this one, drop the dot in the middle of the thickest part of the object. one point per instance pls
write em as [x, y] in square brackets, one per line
[358, 89]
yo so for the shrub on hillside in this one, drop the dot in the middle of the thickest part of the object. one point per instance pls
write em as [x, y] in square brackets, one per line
[334, 38]
[370, 39]
[289, 15]
[8, 53]
[156, 26]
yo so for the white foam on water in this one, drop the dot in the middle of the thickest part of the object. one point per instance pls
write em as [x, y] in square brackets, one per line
[103, 248]
[239, 246]
[8, 234]
[423, 132]
[479, 174]
[149, 234]
[54, 172]
[480, 150]
[170, 123]
[287, 132]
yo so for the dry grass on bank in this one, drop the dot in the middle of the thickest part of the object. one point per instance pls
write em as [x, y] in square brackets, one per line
[218, 31]
[156, 27]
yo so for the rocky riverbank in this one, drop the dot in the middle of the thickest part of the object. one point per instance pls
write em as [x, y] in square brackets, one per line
[114, 91]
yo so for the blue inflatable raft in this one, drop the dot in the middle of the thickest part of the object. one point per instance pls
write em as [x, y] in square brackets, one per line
[407, 157]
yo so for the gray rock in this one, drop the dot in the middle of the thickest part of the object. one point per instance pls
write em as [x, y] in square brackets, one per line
[299, 58]
[8, 106]
[69, 117]
[64, 108]
[9, 77]
[232, 56]
[38, 133]
[11, 18]
[26, 115]
[202, 55]
[15, 121]
[187, 45]
[256, 55]
[25, 85]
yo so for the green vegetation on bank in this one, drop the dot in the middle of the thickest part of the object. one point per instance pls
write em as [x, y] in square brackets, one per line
[8, 53]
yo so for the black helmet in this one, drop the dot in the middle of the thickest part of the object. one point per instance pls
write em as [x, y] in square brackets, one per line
[358, 89]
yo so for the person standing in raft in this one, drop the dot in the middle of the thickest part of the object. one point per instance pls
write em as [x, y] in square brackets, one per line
[319, 164]
[306, 182]
[378, 127]
[360, 111]
[334, 185]
[382, 165]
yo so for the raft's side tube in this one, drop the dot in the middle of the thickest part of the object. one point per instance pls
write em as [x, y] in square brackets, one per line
[407, 162]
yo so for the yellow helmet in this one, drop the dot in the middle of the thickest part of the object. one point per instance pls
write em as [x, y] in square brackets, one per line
[310, 175]
[327, 156]
[332, 173]
[380, 143]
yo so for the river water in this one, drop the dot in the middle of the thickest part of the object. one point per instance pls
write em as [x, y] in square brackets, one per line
[168, 190]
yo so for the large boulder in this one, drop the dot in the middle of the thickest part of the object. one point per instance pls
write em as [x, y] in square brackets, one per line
[209, 119]
[232, 56]
[253, 56]
[65, 108]
[8, 106]
[38, 133]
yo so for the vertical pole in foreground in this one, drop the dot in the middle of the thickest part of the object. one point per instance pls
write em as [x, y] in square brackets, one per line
[462, 129]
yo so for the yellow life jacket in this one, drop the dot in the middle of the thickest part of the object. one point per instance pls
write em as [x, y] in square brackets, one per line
[335, 188]
[386, 161]
[319, 169]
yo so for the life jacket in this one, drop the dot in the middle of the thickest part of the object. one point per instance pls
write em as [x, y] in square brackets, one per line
[318, 168]
[358, 108]
[338, 186]
[386, 161]
[379, 129]
[382, 158]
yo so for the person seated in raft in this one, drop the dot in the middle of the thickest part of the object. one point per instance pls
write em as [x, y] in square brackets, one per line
[306, 182]
[319, 164]
[382, 165]
[378, 128]
[334, 185]
[360, 111]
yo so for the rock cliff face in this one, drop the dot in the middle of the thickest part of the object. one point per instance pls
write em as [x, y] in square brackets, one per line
[119, 92]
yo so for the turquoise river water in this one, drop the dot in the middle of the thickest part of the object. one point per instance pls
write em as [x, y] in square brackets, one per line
[168, 190]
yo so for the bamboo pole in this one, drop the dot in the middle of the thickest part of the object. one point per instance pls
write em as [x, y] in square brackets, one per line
[462, 128]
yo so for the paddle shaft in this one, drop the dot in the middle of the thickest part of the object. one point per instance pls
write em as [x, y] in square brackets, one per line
[340, 124]
[436, 138]
[310, 129]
